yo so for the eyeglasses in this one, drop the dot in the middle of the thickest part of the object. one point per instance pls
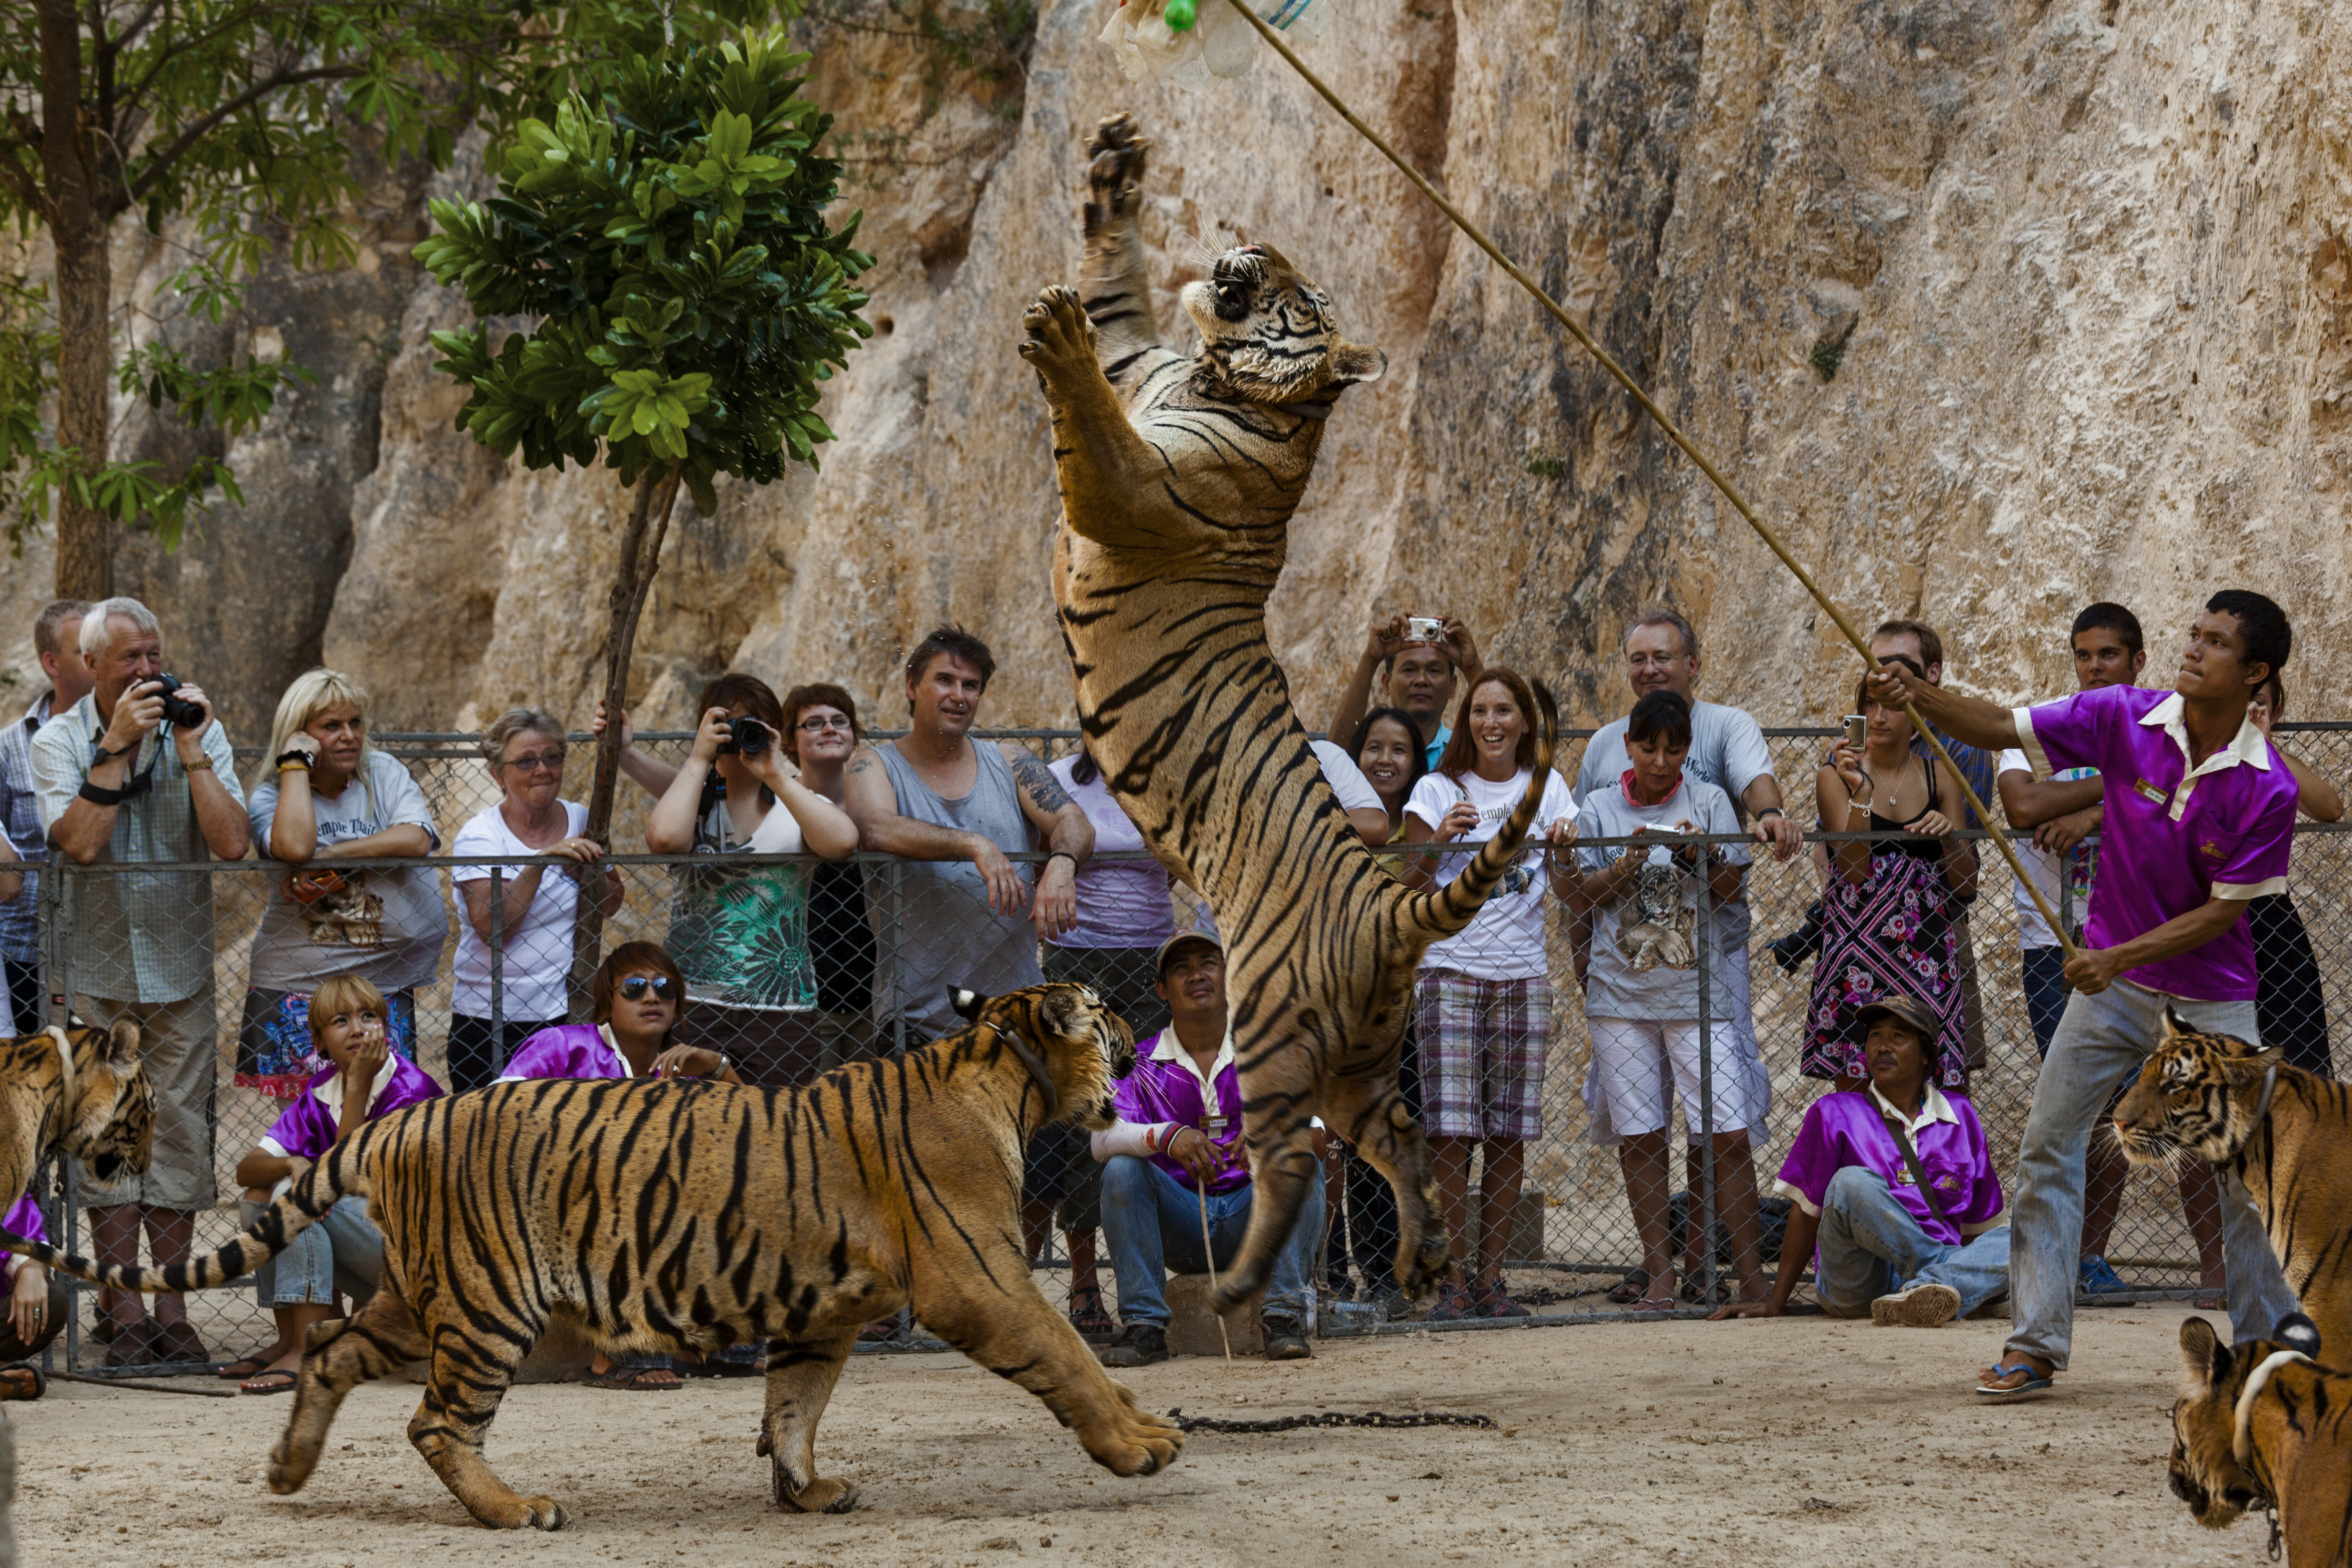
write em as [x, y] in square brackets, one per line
[813, 726]
[634, 987]
[551, 761]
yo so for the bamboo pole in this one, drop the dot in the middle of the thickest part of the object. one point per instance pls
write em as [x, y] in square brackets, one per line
[1764, 530]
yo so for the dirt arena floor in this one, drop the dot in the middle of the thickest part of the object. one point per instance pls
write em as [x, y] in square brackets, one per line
[1799, 1441]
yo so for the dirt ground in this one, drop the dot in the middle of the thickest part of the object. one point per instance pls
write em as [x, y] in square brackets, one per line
[1799, 1441]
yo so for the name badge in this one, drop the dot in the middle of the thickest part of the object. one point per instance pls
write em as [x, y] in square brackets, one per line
[2150, 793]
[1215, 1126]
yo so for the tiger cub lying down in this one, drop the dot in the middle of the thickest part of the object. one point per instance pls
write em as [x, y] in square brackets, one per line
[666, 1216]
[2262, 1425]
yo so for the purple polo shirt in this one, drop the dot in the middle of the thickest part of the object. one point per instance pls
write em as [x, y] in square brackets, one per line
[1165, 1087]
[1843, 1130]
[307, 1128]
[2174, 839]
[567, 1051]
[24, 1220]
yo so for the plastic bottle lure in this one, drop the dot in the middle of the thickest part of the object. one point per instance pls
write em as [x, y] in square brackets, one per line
[1180, 15]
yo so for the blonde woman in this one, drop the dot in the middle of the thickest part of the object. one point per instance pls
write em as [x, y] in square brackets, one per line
[322, 797]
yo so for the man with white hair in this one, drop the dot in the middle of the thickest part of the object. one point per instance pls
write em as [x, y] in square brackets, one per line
[56, 631]
[119, 784]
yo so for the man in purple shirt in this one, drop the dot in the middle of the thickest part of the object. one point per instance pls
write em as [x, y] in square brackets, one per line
[2199, 820]
[1908, 1253]
[1177, 1136]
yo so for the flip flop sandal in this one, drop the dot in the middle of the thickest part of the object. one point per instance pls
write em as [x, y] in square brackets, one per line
[2034, 1382]
[242, 1368]
[630, 1379]
[1631, 1289]
[2213, 1301]
[255, 1383]
[40, 1383]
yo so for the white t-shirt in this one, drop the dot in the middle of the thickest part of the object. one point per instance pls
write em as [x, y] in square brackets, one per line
[387, 925]
[539, 951]
[1669, 988]
[1505, 942]
[1346, 780]
[2039, 864]
[1120, 903]
[1728, 750]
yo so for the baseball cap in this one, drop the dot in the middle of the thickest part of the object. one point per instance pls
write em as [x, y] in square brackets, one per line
[1168, 949]
[1907, 1010]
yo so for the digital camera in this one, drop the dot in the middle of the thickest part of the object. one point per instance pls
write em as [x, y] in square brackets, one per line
[178, 712]
[751, 737]
[1424, 629]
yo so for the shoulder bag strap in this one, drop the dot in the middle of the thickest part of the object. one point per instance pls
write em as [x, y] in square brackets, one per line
[1911, 1164]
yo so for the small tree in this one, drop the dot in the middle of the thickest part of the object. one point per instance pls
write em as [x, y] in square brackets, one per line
[669, 236]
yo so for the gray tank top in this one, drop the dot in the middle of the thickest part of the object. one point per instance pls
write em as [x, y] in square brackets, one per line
[946, 935]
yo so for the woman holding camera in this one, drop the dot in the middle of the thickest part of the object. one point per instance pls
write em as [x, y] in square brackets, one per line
[739, 934]
[325, 795]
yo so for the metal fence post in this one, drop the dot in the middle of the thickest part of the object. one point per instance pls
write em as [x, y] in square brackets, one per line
[894, 927]
[56, 924]
[497, 970]
[1704, 1219]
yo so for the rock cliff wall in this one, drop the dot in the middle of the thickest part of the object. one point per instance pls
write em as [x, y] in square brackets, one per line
[1992, 307]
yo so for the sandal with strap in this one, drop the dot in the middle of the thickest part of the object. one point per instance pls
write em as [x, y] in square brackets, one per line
[1086, 1313]
[1631, 1289]
[630, 1379]
[2035, 1383]
[8, 1383]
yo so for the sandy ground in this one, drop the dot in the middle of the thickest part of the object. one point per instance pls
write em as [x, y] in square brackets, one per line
[1799, 1441]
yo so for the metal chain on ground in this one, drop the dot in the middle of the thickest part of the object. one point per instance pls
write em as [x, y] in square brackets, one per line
[1330, 1418]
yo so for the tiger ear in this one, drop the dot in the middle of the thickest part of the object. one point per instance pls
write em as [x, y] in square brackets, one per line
[2298, 1334]
[2240, 1071]
[2173, 1026]
[966, 1002]
[2204, 1359]
[122, 1047]
[1353, 364]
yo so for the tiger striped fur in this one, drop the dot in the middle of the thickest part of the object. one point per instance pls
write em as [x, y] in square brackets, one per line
[2297, 1453]
[1178, 478]
[666, 1216]
[80, 1090]
[2201, 1096]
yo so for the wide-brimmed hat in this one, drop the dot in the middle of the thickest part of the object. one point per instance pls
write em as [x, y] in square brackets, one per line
[1182, 938]
[1907, 1010]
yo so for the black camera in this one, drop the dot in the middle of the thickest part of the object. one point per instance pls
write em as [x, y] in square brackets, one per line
[751, 737]
[178, 712]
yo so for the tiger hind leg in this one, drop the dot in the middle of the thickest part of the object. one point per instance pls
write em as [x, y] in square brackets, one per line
[1384, 1131]
[470, 1376]
[381, 1337]
[800, 1375]
[1013, 1331]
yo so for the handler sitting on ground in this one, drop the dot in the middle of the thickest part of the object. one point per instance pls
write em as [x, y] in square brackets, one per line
[1895, 1187]
[1179, 1134]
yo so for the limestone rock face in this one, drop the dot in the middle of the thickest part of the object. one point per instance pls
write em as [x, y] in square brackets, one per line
[1992, 309]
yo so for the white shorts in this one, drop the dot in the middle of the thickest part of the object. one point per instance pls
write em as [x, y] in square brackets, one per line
[1627, 1085]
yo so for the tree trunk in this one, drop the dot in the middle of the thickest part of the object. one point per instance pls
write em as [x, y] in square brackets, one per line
[76, 172]
[640, 557]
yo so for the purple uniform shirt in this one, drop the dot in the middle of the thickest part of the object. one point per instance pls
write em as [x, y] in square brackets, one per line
[2174, 839]
[567, 1051]
[1165, 1088]
[1843, 1130]
[307, 1128]
[24, 1220]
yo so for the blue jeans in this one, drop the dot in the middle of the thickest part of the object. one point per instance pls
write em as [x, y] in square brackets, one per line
[345, 1252]
[2102, 1041]
[2041, 971]
[1153, 1224]
[1870, 1246]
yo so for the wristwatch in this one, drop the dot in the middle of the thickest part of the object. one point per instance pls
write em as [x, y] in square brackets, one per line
[294, 757]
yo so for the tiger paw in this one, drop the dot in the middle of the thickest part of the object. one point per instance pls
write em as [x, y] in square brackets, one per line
[1137, 1442]
[824, 1494]
[1057, 337]
[1115, 159]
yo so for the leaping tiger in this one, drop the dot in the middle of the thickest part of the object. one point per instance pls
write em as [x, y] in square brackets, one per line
[1178, 477]
[668, 1216]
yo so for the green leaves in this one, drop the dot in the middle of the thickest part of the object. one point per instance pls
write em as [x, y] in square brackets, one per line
[666, 228]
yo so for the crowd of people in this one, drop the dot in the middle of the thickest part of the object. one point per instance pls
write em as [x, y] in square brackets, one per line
[772, 970]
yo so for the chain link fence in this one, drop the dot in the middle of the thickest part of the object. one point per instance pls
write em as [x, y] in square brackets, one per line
[794, 964]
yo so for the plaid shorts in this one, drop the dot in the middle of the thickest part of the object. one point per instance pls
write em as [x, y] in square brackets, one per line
[1482, 1044]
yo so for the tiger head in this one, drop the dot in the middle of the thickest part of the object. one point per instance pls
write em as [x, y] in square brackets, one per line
[1084, 1045]
[2198, 1095]
[1269, 334]
[2204, 1471]
[107, 1115]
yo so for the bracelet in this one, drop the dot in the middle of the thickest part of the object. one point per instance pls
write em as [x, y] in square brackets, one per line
[1770, 811]
[199, 765]
[294, 758]
[1062, 855]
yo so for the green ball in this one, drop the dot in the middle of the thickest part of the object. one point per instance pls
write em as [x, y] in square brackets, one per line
[1182, 14]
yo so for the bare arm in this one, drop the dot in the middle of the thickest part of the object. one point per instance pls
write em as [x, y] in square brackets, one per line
[1356, 698]
[1783, 837]
[262, 1170]
[514, 892]
[1062, 827]
[2092, 970]
[1960, 854]
[1795, 1254]
[1834, 792]
[1370, 823]
[648, 774]
[11, 881]
[825, 828]
[2314, 797]
[873, 806]
[2028, 802]
[1971, 720]
[670, 829]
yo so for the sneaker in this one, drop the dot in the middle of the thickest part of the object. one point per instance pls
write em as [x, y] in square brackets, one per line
[1921, 1307]
[2099, 1280]
[1452, 1306]
[1286, 1338]
[1138, 1345]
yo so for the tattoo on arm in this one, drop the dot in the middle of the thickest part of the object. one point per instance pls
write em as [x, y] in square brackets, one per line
[1037, 781]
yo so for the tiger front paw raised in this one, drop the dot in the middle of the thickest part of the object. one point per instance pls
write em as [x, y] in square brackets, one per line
[1057, 336]
[1115, 157]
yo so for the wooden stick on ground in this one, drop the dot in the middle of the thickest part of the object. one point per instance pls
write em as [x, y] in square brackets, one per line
[199, 1391]
[1674, 433]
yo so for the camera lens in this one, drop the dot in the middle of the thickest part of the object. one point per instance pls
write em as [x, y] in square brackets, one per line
[751, 736]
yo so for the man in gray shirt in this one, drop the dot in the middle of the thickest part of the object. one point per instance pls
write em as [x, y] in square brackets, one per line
[57, 643]
[955, 810]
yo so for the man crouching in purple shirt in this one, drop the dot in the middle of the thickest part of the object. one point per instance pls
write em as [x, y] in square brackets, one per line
[1177, 1137]
[1910, 1254]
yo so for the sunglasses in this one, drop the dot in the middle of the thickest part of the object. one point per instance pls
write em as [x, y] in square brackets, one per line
[634, 987]
[551, 761]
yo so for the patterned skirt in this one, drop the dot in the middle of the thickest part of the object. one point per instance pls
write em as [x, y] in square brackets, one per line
[1892, 933]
